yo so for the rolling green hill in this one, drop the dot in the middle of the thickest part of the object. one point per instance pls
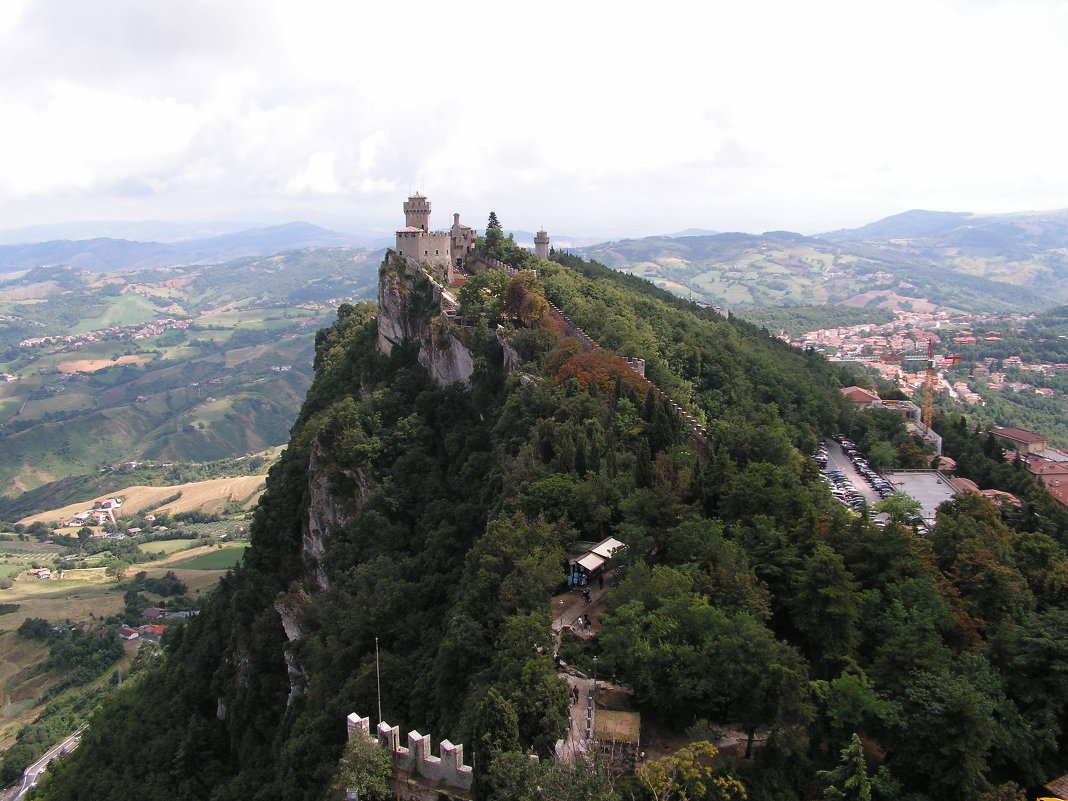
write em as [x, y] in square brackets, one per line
[780, 268]
[182, 364]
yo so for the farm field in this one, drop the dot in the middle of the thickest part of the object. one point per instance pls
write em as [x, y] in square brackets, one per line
[213, 559]
[167, 547]
[83, 593]
[122, 310]
[212, 495]
[80, 596]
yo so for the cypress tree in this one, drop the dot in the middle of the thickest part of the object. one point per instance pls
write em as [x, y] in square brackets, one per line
[643, 467]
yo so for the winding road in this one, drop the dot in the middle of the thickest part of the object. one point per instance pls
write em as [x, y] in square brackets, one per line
[30, 775]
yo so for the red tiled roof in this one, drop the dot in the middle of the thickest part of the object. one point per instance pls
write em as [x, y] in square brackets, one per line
[964, 485]
[1000, 497]
[859, 395]
[1047, 467]
[1019, 435]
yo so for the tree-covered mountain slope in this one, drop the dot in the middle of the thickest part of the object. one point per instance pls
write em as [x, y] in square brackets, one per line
[433, 521]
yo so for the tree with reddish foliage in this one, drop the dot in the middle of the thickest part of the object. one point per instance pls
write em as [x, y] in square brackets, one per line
[524, 299]
[601, 368]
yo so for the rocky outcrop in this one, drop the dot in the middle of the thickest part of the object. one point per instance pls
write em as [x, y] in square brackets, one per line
[511, 355]
[411, 308]
[290, 609]
[324, 514]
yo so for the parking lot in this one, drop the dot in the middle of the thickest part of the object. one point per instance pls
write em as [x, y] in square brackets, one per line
[926, 486]
[837, 460]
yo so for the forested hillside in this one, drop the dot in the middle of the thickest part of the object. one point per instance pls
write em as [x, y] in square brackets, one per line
[434, 521]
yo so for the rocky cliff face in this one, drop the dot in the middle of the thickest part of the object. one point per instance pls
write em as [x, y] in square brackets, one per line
[325, 514]
[411, 308]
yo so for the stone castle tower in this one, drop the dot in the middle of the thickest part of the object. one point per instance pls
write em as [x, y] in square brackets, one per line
[541, 244]
[417, 213]
[446, 250]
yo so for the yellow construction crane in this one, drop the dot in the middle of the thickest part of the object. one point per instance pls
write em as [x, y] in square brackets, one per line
[929, 382]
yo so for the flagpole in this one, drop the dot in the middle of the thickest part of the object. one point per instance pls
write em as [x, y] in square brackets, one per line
[378, 681]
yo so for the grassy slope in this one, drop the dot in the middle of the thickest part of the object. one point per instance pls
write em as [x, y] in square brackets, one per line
[252, 410]
[207, 496]
[217, 559]
[123, 310]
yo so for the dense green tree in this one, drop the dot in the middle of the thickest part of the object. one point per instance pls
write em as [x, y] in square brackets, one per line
[849, 780]
[847, 704]
[35, 628]
[825, 609]
[497, 732]
[523, 672]
[900, 507]
[689, 774]
[943, 739]
[365, 767]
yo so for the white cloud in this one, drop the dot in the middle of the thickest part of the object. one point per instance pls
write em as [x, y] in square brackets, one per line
[318, 177]
[584, 117]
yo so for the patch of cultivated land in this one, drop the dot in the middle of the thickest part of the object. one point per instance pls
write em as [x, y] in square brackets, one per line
[123, 310]
[80, 596]
[167, 547]
[209, 496]
[92, 365]
[208, 560]
[889, 300]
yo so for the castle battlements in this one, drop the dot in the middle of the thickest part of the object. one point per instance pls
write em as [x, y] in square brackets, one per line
[415, 763]
[417, 760]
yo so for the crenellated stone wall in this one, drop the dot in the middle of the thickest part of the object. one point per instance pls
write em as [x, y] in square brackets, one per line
[417, 773]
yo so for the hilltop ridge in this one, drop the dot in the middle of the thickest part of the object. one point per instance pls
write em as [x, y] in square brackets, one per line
[377, 449]
[415, 539]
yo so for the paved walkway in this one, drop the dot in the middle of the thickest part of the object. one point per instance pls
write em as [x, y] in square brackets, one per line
[570, 607]
[580, 721]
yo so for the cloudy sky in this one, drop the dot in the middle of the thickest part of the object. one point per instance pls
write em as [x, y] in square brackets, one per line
[590, 118]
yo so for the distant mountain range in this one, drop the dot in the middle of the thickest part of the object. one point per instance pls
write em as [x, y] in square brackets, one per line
[105, 254]
[121, 246]
[918, 259]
